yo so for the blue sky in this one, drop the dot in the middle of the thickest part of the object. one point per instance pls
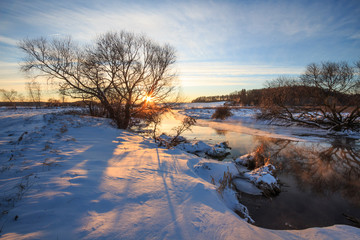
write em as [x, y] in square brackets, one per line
[222, 46]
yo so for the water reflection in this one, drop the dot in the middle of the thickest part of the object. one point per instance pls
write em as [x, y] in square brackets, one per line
[221, 132]
[318, 167]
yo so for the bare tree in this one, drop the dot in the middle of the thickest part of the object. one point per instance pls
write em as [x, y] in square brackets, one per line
[325, 96]
[53, 102]
[34, 91]
[9, 96]
[337, 104]
[281, 81]
[62, 96]
[123, 71]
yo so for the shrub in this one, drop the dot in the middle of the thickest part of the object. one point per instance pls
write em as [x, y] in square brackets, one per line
[186, 124]
[259, 159]
[222, 113]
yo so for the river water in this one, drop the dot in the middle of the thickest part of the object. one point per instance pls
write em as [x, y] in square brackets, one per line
[319, 180]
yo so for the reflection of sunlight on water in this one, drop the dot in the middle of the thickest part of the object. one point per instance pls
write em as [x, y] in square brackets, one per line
[241, 143]
[221, 132]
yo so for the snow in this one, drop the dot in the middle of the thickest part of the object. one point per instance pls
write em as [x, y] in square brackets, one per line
[262, 175]
[245, 186]
[244, 159]
[198, 147]
[202, 149]
[76, 177]
[213, 171]
[208, 169]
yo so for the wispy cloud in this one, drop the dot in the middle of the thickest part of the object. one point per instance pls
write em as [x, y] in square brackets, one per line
[9, 41]
[227, 68]
[223, 73]
[9, 70]
[355, 36]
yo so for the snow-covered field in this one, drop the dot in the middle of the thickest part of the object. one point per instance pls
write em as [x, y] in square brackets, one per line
[65, 176]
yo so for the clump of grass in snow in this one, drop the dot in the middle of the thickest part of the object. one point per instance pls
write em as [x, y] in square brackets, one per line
[47, 146]
[63, 129]
[224, 182]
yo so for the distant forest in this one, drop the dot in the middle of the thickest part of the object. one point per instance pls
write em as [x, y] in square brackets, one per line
[243, 97]
[289, 95]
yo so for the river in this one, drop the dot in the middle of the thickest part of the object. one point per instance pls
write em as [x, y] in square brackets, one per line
[319, 180]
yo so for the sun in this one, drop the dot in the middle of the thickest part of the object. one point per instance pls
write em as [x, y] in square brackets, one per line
[148, 98]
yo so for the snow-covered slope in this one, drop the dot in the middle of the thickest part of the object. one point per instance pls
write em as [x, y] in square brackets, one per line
[79, 178]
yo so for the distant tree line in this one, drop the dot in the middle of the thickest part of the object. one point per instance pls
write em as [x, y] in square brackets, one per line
[243, 97]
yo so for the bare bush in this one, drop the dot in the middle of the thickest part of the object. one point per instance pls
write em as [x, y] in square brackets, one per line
[34, 91]
[259, 159]
[53, 102]
[186, 124]
[9, 96]
[222, 113]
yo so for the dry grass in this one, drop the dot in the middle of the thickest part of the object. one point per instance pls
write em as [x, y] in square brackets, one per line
[224, 182]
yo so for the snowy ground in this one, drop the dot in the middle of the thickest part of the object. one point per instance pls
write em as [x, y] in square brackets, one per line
[72, 177]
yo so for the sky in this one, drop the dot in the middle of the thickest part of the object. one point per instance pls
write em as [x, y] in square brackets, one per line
[222, 46]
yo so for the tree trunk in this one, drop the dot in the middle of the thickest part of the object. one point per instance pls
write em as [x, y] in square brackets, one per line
[126, 116]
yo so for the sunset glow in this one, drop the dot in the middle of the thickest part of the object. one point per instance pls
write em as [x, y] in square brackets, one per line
[148, 99]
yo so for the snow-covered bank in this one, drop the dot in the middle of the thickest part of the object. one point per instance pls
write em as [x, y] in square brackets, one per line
[199, 148]
[88, 180]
